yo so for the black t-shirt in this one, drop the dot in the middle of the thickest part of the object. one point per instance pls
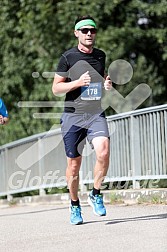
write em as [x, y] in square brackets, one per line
[73, 63]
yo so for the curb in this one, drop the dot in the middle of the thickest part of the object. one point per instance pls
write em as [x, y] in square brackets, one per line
[129, 196]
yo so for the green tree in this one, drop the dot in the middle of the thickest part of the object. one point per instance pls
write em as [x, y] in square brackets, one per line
[34, 34]
[29, 44]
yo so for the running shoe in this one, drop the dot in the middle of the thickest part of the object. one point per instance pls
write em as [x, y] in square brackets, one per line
[76, 217]
[97, 203]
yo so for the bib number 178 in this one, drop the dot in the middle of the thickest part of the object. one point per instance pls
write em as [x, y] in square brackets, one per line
[92, 92]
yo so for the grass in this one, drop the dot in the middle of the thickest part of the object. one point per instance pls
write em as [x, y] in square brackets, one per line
[116, 199]
[153, 199]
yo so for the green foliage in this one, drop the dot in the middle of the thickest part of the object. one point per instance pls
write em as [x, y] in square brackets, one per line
[35, 33]
[56, 190]
[152, 199]
[24, 194]
[162, 183]
[116, 198]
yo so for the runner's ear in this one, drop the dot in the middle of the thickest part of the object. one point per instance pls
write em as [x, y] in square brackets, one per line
[76, 34]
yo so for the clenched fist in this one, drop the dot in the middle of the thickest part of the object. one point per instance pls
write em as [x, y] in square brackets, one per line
[108, 83]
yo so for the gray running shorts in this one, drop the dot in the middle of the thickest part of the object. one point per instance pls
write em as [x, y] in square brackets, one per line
[77, 127]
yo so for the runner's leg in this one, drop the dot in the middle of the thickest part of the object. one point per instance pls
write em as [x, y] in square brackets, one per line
[72, 176]
[102, 148]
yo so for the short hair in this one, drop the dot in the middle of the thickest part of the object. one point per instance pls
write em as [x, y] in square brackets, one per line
[79, 18]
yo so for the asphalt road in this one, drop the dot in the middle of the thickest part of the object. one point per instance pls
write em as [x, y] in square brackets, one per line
[46, 228]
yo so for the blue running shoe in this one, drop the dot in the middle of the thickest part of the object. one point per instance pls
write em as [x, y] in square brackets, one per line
[97, 203]
[76, 217]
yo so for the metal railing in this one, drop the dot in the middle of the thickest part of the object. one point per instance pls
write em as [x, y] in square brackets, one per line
[138, 152]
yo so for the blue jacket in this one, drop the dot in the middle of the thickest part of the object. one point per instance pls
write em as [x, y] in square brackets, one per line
[3, 110]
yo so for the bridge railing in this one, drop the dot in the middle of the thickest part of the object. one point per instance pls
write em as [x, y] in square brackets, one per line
[138, 151]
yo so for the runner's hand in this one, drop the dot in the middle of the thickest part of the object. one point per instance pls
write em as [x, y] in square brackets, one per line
[1, 119]
[108, 83]
[85, 79]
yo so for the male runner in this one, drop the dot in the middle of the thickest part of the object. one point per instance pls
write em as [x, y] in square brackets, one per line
[80, 75]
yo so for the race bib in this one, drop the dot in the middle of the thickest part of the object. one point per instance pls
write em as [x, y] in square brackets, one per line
[91, 92]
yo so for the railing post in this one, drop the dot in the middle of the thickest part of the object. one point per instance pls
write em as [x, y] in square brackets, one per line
[42, 192]
[135, 151]
[6, 170]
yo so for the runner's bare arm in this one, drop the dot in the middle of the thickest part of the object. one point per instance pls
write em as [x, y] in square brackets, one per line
[61, 87]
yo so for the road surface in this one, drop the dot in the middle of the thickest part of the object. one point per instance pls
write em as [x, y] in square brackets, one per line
[46, 228]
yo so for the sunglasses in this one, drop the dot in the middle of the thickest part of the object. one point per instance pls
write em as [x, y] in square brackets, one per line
[86, 30]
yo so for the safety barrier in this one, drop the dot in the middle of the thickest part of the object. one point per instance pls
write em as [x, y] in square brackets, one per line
[138, 152]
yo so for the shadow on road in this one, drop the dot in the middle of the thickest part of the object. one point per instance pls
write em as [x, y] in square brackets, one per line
[139, 218]
[107, 221]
